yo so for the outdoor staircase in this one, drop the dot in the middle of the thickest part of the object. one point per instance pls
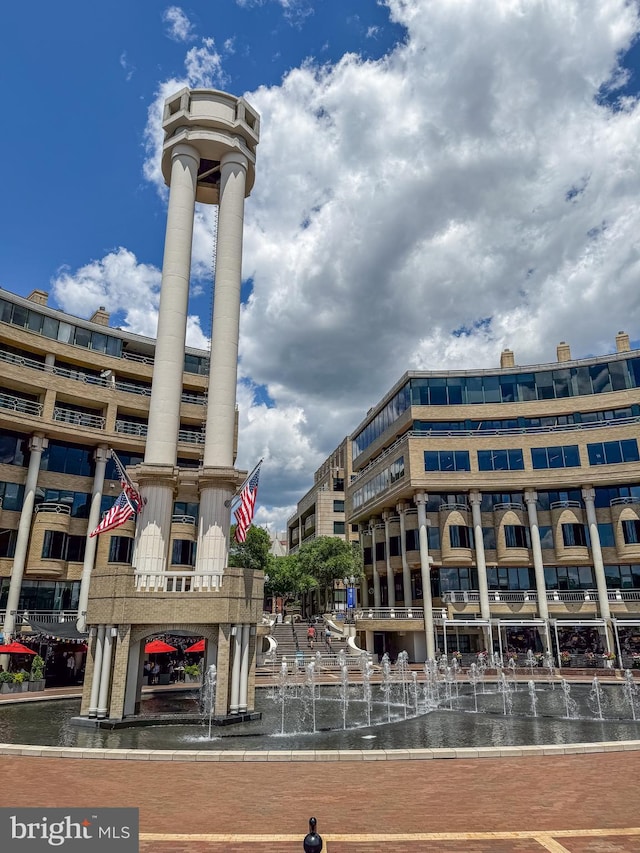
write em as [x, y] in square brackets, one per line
[291, 639]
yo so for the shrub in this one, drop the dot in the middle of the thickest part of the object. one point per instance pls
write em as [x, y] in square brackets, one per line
[192, 670]
[37, 669]
[6, 678]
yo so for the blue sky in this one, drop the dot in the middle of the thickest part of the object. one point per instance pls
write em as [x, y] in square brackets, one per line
[436, 180]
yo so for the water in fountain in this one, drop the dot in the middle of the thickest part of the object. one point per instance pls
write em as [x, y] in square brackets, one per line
[414, 692]
[386, 683]
[449, 681]
[497, 661]
[504, 688]
[550, 667]
[208, 694]
[367, 672]
[482, 670]
[443, 663]
[530, 661]
[344, 692]
[630, 689]
[474, 676]
[512, 666]
[533, 699]
[282, 691]
[311, 684]
[431, 694]
[595, 698]
[402, 668]
[570, 704]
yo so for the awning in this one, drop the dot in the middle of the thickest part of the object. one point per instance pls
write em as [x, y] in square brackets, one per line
[60, 630]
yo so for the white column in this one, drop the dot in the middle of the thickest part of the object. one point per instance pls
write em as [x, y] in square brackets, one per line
[235, 669]
[377, 599]
[153, 529]
[214, 522]
[97, 670]
[244, 669]
[589, 496]
[475, 499]
[221, 409]
[37, 445]
[91, 542]
[530, 498]
[425, 573]
[406, 571]
[364, 582]
[105, 674]
[166, 392]
[391, 585]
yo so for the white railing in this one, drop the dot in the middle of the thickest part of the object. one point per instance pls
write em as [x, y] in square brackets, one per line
[190, 437]
[130, 428]
[391, 613]
[472, 596]
[60, 509]
[509, 505]
[46, 615]
[565, 505]
[183, 519]
[444, 507]
[178, 582]
[78, 418]
[18, 404]
[134, 356]
[625, 500]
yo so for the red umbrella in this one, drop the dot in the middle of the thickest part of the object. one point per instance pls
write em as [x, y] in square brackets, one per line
[196, 647]
[16, 649]
[157, 647]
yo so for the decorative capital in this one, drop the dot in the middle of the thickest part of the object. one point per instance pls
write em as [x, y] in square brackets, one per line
[386, 515]
[589, 494]
[38, 443]
[402, 507]
[475, 498]
[420, 498]
[102, 453]
[530, 496]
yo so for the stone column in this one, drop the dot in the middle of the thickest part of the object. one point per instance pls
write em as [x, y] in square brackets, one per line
[235, 669]
[244, 669]
[406, 571]
[105, 673]
[364, 582]
[391, 585]
[420, 500]
[475, 499]
[166, 391]
[377, 599]
[37, 445]
[153, 529]
[531, 498]
[97, 671]
[91, 542]
[589, 496]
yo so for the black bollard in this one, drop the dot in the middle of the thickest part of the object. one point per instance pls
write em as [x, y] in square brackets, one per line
[312, 841]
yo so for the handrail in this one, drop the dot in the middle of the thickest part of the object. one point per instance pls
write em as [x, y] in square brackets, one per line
[50, 506]
[78, 418]
[444, 507]
[472, 596]
[565, 505]
[516, 505]
[177, 581]
[190, 437]
[183, 519]
[627, 499]
[131, 428]
[19, 404]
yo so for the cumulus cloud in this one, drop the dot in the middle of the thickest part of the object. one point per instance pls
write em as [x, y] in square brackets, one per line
[294, 10]
[179, 27]
[111, 282]
[475, 188]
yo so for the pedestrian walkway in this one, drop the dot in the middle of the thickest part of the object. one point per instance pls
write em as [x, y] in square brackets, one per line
[561, 804]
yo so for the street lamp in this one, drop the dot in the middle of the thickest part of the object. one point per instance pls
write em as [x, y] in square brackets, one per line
[350, 603]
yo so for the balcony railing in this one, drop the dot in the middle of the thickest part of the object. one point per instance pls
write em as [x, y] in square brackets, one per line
[178, 582]
[565, 505]
[624, 500]
[82, 419]
[509, 505]
[398, 613]
[18, 404]
[190, 437]
[444, 507]
[183, 519]
[60, 509]
[21, 616]
[131, 428]
[472, 596]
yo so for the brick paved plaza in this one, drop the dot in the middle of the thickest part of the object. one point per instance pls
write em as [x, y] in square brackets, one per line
[564, 804]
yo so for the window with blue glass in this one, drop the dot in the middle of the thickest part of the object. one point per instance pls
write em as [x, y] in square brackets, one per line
[568, 577]
[504, 578]
[546, 537]
[121, 549]
[489, 538]
[612, 452]
[183, 552]
[338, 527]
[12, 495]
[631, 531]
[460, 536]
[8, 543]
[566, 456]
[516, 536]
[574, 535]
[446, 460]
[338, 506]
[14, 448]
[500, 460]
[622, 577]
[66, 458]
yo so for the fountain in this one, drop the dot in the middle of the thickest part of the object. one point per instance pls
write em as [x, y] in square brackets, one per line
[595, 697]
[474, 676]
[208, 694]
[533, 699]
[531, 661]
[311, 684]
[504, 688]
[630, 689]
[570, 704]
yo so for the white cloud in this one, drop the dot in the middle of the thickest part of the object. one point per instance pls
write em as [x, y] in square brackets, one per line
[111, 282]
[179, 27]
[466, 192]
[294, 10]
[128, 68]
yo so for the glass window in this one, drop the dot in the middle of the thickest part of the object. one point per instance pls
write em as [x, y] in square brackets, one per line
[121, 549]
[544, 384]
[412, 540]
[54, 545]
[516, 536]
[50, 327]
[338, 506]
[631, 531]
[34, 321]
[526, 387]
[433, 538]
[446, 460]
[600, 379]
[629, 448]
[574, 535]
[555, 457]
[459, 536]
[338, 527]
[539, 457]
[562, 382]
[8, 543]
[75, 548]
[394, 546]
[65, 333]
[546, 537]
[491, 386]
[580, 381]
[183, 552]
[20, 315]
[13, 448]
[12, 496]
[114, 346]
[607, 539]
[489, 538]
[82, 337]
[474, 389]
[455, 388]
[380, 551]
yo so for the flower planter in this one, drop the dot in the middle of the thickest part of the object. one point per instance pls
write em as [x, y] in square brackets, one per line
[36, 686]
[6, 688]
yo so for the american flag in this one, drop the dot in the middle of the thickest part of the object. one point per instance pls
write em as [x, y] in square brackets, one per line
[244, 514]
[126, 505]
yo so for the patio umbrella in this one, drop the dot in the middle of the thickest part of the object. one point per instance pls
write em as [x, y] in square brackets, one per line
[16, 649]
[196, 647]
[157, 647]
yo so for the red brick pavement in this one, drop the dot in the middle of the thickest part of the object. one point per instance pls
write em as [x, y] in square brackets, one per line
[548, 793]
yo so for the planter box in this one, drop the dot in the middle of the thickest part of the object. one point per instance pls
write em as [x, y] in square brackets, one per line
[6, 688]
[36, 686]
[191, 678]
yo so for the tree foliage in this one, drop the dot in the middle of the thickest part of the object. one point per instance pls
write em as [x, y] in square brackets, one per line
[328, 558]
[253, 553]
[287, 579]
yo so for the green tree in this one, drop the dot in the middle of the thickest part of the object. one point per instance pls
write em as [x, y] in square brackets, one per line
[328, 558]
[253, 553]
[287, 579]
